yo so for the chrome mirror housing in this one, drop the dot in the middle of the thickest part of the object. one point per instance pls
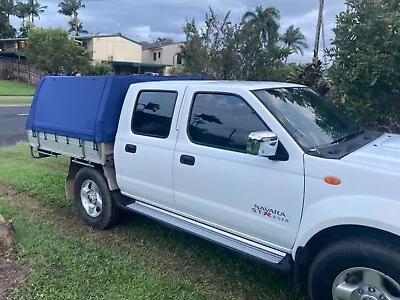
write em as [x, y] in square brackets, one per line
[262, 143]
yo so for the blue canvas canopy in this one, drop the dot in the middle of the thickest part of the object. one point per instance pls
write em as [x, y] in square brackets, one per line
[83, 107]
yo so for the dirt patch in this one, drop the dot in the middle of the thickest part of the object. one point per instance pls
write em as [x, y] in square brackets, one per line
[11, 273]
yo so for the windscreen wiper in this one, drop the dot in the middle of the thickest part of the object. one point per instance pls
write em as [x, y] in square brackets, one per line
[347, 137]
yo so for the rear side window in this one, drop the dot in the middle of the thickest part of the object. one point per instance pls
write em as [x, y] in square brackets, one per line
[222, 121]
[153, 113]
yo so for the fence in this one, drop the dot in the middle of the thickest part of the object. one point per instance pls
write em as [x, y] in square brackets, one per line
[21, 70]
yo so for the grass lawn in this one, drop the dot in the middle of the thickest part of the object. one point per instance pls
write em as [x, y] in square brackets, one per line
[15, 100]
[140, 259]
[15, 88]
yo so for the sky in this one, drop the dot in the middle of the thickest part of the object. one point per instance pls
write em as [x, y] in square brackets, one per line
[146, 20]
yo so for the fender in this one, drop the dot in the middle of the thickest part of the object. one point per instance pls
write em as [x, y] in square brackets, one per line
[378, 213]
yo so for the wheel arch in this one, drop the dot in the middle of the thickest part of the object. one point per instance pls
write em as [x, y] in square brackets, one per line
[304, 255]
[107, 171]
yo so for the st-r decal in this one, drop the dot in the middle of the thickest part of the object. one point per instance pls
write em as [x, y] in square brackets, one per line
[270, 213]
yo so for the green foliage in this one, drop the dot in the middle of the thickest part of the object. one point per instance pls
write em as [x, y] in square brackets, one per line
[265, 23]
[366, 68]
[294, 39]
[76, 27]
[70, 7]
[6, 10]
[313, 76]
[224, 50]
[52, 51]
[100, 68]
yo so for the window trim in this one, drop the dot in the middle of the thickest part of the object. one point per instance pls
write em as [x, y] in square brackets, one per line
[218, 93]
[173, 111]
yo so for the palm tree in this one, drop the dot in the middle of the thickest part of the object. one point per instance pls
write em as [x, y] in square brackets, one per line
[76, 27]
[266, 22]
[294, 39]
[7, 7]
[70, 8]
[35, 9]
[22, 12]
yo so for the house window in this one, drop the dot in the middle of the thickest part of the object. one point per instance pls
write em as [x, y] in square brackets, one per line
[179, 59]
[159, 54]
[155, 56]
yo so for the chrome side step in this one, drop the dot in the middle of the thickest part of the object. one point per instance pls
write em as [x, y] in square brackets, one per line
[266, 254]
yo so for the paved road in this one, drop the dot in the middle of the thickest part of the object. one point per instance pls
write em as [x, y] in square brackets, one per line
[12, 124]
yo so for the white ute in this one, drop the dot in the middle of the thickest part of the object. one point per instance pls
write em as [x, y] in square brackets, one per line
[270, 170]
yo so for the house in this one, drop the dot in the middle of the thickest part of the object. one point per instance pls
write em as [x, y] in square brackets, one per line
[168, 54]
[123, 53]
[13, 48]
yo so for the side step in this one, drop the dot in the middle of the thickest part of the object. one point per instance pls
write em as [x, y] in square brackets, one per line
[275, 258]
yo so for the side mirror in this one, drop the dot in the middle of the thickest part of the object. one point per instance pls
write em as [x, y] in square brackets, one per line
[262, 143]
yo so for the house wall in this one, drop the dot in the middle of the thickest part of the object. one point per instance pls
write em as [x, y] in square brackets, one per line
[168, 55]
[117, 48]
[148, 56]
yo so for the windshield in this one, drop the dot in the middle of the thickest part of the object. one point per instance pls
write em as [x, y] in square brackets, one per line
[311, 120]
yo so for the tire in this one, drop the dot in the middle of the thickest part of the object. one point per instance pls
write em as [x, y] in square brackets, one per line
[356, 260]
[93, 199]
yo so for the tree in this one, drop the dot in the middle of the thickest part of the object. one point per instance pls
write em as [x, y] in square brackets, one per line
[164, 40]
[34, 10]
[54, 52]
[295, 40]
[70, 8]
[224, 50]
[6, 30]
[6, 10]
[22, 12]
[99, 69]
[366, 55]
[76, 27]
[7, 7]
[265, 22]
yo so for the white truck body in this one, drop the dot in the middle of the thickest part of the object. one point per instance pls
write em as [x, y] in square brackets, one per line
[270, 209]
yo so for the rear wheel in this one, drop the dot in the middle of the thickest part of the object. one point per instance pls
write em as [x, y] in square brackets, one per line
[358, 269]
[93, 199]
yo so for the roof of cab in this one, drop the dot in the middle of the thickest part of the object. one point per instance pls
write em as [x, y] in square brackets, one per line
[247, 85]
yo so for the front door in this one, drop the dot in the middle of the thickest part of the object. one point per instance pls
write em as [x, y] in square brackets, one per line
[217, 182]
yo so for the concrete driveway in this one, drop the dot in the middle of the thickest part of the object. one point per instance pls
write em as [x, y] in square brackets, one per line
[12, 124]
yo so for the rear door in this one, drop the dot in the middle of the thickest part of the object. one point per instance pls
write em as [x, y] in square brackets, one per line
[145, 144]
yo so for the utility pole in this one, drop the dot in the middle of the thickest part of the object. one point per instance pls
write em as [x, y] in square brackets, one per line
[318, 31]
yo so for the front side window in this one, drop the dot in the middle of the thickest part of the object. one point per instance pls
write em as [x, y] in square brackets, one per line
[222, 121]
[153, 113]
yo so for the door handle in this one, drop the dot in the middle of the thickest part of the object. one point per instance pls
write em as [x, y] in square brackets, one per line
[130, 148]
[187, 160]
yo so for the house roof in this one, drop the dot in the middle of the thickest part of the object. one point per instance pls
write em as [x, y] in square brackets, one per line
[82, 37]
[88, 37]
[136, 64]
[13, 40]
[147, 45]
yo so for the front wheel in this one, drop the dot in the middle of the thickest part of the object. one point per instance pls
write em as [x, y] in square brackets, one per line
[93, 199]
[358, 269]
